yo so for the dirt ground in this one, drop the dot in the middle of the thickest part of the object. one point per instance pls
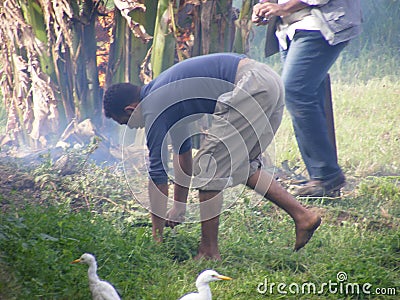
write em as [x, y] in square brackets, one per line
[17, 185]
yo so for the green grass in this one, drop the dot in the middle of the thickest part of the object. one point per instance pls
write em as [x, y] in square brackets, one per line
[39, 243]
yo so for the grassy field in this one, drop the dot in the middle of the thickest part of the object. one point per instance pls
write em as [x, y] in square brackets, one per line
[93, 211]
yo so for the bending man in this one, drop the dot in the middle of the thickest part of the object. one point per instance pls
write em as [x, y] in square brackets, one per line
[245, 100]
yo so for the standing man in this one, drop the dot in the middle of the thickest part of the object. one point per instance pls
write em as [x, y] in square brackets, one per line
[245, 99]
[311, 35]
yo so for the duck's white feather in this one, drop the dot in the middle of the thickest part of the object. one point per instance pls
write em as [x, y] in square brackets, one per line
[202, 284]
[100, 289]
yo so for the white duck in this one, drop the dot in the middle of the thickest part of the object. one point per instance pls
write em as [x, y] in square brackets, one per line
[101, 290]
[204, 291]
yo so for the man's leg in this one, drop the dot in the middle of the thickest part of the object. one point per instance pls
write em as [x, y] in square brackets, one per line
[306, 221]
[210, 209]
[304, 73]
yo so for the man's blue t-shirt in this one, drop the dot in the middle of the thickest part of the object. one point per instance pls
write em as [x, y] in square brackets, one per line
[177, 97]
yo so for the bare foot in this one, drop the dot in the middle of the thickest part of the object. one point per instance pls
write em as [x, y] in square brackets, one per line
[157, 239]
[216, 257]
[208, 254]
[175, 217]
[305, 231]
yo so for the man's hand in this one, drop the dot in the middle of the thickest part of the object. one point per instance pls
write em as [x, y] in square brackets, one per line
[176, 215]
[257, 17]
[265, 10]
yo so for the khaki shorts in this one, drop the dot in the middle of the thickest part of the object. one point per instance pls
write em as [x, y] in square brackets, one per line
[243, 125]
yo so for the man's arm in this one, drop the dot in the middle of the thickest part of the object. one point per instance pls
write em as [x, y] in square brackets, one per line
[158, 182]
[158, 194]
[183, 173]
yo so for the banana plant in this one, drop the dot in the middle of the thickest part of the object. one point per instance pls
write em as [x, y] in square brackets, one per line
[49, 54]
[243, 24]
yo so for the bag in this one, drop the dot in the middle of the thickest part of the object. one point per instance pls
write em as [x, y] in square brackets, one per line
[271, 41]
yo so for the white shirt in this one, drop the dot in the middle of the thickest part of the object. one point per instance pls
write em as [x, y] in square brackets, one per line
[284, 31]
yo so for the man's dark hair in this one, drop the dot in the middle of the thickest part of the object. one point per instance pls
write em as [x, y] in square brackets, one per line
[118, 96]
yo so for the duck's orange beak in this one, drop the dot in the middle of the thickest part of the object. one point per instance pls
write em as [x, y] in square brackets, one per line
[222, 277]
[76, 261]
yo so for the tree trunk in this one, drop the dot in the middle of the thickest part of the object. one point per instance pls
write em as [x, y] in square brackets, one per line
[163, 51]
[243, 24]
[90, 97]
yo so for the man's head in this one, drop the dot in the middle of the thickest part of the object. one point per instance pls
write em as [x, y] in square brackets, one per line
[120, 101]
